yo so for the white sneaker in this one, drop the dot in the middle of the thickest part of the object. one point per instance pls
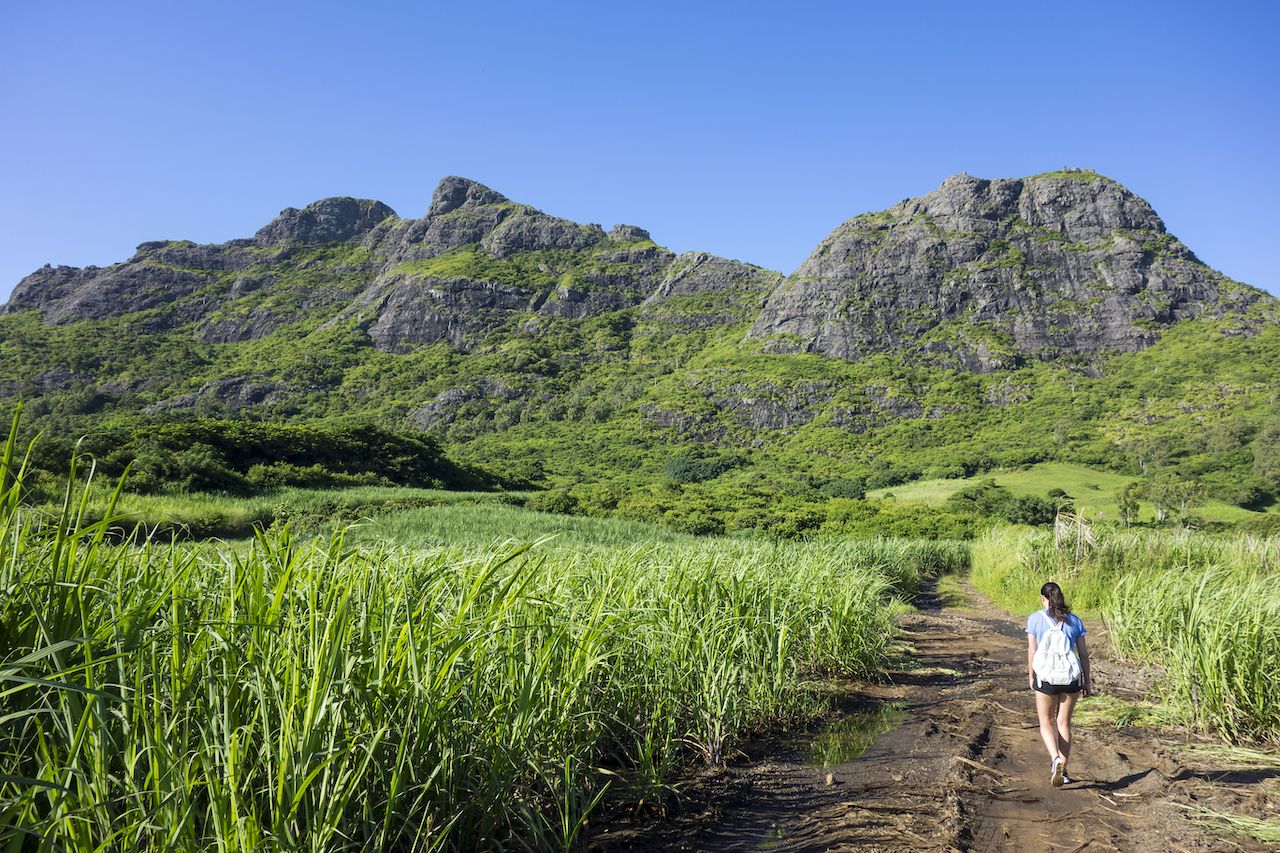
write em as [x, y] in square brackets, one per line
[1058, 773]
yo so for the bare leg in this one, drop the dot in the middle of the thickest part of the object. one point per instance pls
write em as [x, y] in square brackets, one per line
[1045, 707]
[1066, 707]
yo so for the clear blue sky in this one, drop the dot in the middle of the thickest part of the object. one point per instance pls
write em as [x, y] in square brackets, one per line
[749, 130]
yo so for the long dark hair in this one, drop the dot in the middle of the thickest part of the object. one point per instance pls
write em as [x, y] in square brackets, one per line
[1058, 608]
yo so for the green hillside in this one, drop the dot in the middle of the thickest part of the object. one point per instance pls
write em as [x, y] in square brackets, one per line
[1091, 491]
[518, 350]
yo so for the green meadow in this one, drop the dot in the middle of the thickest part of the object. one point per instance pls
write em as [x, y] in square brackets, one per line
[1092, 491]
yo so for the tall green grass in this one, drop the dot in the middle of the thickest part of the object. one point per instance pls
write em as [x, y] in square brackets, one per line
[1216, 633]
[904, 561]
[1204, 610]
[323, 695]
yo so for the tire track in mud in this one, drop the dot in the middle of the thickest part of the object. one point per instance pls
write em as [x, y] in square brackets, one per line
[965, 770]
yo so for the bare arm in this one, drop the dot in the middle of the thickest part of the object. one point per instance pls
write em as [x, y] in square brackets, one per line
[1031, 654]
[1086, 680]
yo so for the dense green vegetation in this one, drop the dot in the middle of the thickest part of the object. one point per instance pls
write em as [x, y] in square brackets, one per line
[1097, 494]
[641, 412]
[332, 694]
[1204, 610]
[244, 457]
[527, 351]
[200, 515]
[590, 432]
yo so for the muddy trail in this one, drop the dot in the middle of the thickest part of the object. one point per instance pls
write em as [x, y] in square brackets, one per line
[961, 766]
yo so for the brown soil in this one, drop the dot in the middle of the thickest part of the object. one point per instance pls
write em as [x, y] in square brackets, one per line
[966, 770]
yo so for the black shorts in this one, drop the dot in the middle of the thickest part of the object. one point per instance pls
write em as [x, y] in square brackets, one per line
[1055, 689]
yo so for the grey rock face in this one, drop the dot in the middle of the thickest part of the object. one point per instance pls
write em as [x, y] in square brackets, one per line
[628, 234]
[531, 231]
[401, 313]
[574, 271]
[616, 280]
[693, 427]
[773, 407]
[1008, 393]
[488, 393]
[330, 220]
[454, 193]
[47, 380]
[244, 327]
[234, 393]
[66, 294]
[701, 290]
[980, 275]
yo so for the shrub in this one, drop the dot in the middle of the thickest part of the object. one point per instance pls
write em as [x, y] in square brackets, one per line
[1029, 509]
[697, 522]
[988, 498]
[887, 477]
[1263, 525]
[559, 500]
[280, 475]
[595, 499]
[852, 488]
[887, 518]
[217, 455]
[693, 467]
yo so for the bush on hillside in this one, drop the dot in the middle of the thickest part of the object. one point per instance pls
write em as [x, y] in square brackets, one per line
[889, 518]
[1029, 509]
[793, 523]
[694, 466]
[884, 476]
[852, 488]
[696, 521]
[218, 456]
[597, 500]
[559, 500]
[989, 499]
[279, 475]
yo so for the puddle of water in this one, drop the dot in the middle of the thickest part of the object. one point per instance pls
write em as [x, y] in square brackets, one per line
[849, 737]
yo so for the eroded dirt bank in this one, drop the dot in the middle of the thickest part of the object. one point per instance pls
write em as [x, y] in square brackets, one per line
[965, 769]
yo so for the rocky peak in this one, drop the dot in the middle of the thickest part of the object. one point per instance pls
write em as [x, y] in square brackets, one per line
[326, 221]
[454, 193]
[529, 230]
[628, 234]
[1079, 204]
[982, 274]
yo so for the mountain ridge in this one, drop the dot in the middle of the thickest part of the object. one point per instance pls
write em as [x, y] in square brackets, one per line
[952, 236]
[1081, 263]
[987, 323]
[462, 213]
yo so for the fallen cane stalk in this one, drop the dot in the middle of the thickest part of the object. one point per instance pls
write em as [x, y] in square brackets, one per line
[976, 766]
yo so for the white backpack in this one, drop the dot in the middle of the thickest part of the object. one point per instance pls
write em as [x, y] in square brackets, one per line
[1056, 661]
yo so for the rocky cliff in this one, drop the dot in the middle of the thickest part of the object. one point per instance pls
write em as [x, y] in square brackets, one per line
[984, 274]
[980, 275]
[475, 263]
[1081, 329]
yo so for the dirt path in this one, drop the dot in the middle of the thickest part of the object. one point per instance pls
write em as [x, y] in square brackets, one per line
[965, 770]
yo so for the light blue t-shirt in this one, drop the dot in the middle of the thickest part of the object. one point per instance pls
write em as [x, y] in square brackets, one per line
[1038, 623]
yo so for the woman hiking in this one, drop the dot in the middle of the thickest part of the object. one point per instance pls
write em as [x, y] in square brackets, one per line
[1058, 670]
